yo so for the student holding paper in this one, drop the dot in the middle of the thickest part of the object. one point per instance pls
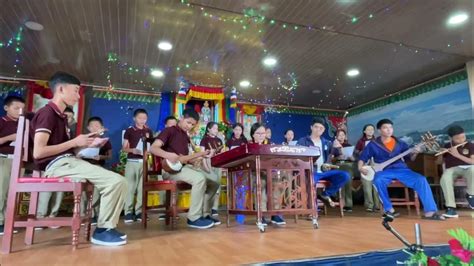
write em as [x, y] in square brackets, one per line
[133, 145]
[345, 161]
[101, 154]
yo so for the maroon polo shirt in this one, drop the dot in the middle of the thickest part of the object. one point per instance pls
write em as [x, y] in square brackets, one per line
[236, 142]
[103, 151]
[133, 135]
[8, 126]
[175, 140]
[207, 141]
[52, 121]
[465, 150]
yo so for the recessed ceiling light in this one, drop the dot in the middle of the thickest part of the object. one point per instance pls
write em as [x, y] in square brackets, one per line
[244, 83]
[157, 73]
[34, 26]
[269, 61]
[353, 72]
[316, 91]
[457, 19]
[165, 46]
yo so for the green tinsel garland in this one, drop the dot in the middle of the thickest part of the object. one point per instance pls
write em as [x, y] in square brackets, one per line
[127, 97]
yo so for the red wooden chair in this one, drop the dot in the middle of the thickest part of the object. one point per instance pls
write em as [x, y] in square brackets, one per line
[406, 200]
[323, 184]
[152, 167]
[34, 185]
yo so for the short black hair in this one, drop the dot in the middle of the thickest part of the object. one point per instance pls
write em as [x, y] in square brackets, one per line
[254, 128]
[238, 125]
[170, 118]
[190, 113]
[68, 110]
[383, 122]
[95, 118]
[62, 78]
[366, 126]
[455, 130]
[286, 131]
[210, 125]
[318, 120]
[13, 98]
[139, 111]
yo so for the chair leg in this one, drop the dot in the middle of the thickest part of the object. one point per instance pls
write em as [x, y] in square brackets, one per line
[169, 211]
[76, 219]
[9, 222]
[407, 200]
[144, 208]
[174, 209]
[90, 198]
[417, 203]
[33, 207]
[341, 203]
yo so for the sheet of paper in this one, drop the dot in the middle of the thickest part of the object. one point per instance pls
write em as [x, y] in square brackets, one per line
[88, 152]
[233, 147]
[12, 144]
[292, 143]
[348, 151]
[140, 146]
[465, 166]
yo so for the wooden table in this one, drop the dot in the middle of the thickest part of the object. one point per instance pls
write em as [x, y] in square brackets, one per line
[286, 168]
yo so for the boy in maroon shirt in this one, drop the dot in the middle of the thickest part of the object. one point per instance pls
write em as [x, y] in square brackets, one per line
[8, 126]
[172, 144]
[53, 153]
[134, 166]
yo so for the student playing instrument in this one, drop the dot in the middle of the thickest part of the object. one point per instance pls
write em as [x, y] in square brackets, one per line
[337, 178]
[8, 127]
[258, 135]
[133, 145]
[173, 144]
[95, 124]
[289, 136]
[384, 148]
[371, 197]
[459, 162]
[237, 137]
[211, 142]
[53, 153]
[345, 164]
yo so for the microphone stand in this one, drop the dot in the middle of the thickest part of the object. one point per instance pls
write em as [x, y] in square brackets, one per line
[417, 247]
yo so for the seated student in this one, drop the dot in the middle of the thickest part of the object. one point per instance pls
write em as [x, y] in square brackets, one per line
[134, 166]
[459, 162]
[289, 136]
[258, 135]
[345, 164]
[95, 124]
[384, 148]
[171, 121]
[8, 127]
[172, 144]
[371, 198]
[53, 151]
[237, 137]
[336, 178]
[211, 142]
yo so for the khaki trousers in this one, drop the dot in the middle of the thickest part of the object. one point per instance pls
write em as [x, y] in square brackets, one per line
[204, 187]
[447, 183]
[112, 187]
[5, 172]
[44, 203]
[134, 177]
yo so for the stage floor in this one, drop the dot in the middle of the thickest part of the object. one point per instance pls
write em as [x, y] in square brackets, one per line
[239, 244]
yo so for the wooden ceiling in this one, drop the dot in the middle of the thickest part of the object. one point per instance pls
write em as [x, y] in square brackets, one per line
[393, 43]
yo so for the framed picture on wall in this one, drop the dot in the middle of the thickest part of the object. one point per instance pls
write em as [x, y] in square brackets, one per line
[248, 121]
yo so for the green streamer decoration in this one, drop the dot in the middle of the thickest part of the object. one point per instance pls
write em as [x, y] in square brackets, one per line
[127, 97]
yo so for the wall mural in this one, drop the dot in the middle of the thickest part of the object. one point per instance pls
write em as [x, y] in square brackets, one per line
[435, 111]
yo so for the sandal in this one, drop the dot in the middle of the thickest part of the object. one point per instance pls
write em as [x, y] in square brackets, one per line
[435, 217]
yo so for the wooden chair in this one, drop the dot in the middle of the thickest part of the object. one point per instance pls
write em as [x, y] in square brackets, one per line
[152, 167]
[323, 184]
[34, 185]
[405, 200]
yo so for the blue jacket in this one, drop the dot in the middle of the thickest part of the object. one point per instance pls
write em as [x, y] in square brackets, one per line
[327, 145]
[377, 150]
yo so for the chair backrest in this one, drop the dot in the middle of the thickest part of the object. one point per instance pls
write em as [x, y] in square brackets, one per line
[151, 163]
[20, 154]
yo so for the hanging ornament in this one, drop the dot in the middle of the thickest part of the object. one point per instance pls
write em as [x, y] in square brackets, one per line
[233, 98]
[183, 90]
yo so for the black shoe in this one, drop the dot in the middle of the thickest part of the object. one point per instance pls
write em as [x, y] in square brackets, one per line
[327, 200]
[162, 217]
[278, 220]
[216, 221]
[128, 218]
[451, 213]
[391, 214]
[264, 221]
[470, 199]
[138, 217]
[347, 209]
[94, 221]
[214, 213]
